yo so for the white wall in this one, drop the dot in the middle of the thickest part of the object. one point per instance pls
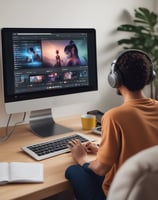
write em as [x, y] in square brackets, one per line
[103, 15]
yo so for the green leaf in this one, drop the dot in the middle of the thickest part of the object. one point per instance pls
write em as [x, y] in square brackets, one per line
[143, 15]
[130, 28]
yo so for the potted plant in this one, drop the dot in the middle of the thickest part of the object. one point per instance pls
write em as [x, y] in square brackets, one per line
[144, 36]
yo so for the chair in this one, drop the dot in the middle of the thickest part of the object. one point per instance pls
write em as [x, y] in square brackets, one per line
[137, 178]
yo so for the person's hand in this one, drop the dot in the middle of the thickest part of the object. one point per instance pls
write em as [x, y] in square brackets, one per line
[78, 151]
[91, 147]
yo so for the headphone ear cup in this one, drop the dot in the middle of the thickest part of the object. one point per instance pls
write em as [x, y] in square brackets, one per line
[152, 76]
[114, 79]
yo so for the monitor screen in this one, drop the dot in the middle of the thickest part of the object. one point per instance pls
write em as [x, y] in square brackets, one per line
[46, 62]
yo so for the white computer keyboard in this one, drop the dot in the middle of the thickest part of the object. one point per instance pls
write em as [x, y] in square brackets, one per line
[53, 147]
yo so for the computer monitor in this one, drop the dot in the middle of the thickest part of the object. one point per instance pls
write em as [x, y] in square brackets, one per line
[42, 63]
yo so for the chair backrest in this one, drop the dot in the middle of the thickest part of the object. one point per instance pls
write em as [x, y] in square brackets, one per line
[137, 178]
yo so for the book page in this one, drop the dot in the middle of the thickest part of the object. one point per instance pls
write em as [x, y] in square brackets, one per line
[25, 172]
[3, 172]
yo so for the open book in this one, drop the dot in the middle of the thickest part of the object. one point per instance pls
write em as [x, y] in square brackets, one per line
[21, 172]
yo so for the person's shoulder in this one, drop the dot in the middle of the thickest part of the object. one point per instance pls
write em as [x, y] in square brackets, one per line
[115, 111]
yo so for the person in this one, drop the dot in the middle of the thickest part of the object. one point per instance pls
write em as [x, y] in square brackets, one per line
[126, 129]
[33, 56]
[58, 60]
[71, 51]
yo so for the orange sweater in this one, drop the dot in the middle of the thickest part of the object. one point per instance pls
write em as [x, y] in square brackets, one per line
[126, 130]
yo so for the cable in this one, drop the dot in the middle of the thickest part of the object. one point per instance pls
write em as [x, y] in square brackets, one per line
[7, 133]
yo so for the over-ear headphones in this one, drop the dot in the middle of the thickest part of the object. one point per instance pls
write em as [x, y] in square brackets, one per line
[115, 78]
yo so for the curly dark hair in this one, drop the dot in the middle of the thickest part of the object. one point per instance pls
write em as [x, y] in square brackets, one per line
[135, 69]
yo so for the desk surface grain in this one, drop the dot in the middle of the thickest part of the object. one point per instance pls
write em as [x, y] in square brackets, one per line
[54, 168]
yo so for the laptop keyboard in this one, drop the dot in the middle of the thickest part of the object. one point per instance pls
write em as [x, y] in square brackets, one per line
[53, 147]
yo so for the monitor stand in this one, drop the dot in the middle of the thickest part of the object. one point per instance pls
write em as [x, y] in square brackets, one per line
[43, 124]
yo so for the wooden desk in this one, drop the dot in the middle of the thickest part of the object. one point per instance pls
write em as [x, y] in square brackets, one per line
[54, 168]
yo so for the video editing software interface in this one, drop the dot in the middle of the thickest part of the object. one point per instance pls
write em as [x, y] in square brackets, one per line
[46, 61]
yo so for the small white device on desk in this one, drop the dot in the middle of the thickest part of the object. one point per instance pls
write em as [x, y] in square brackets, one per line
[97, 130]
